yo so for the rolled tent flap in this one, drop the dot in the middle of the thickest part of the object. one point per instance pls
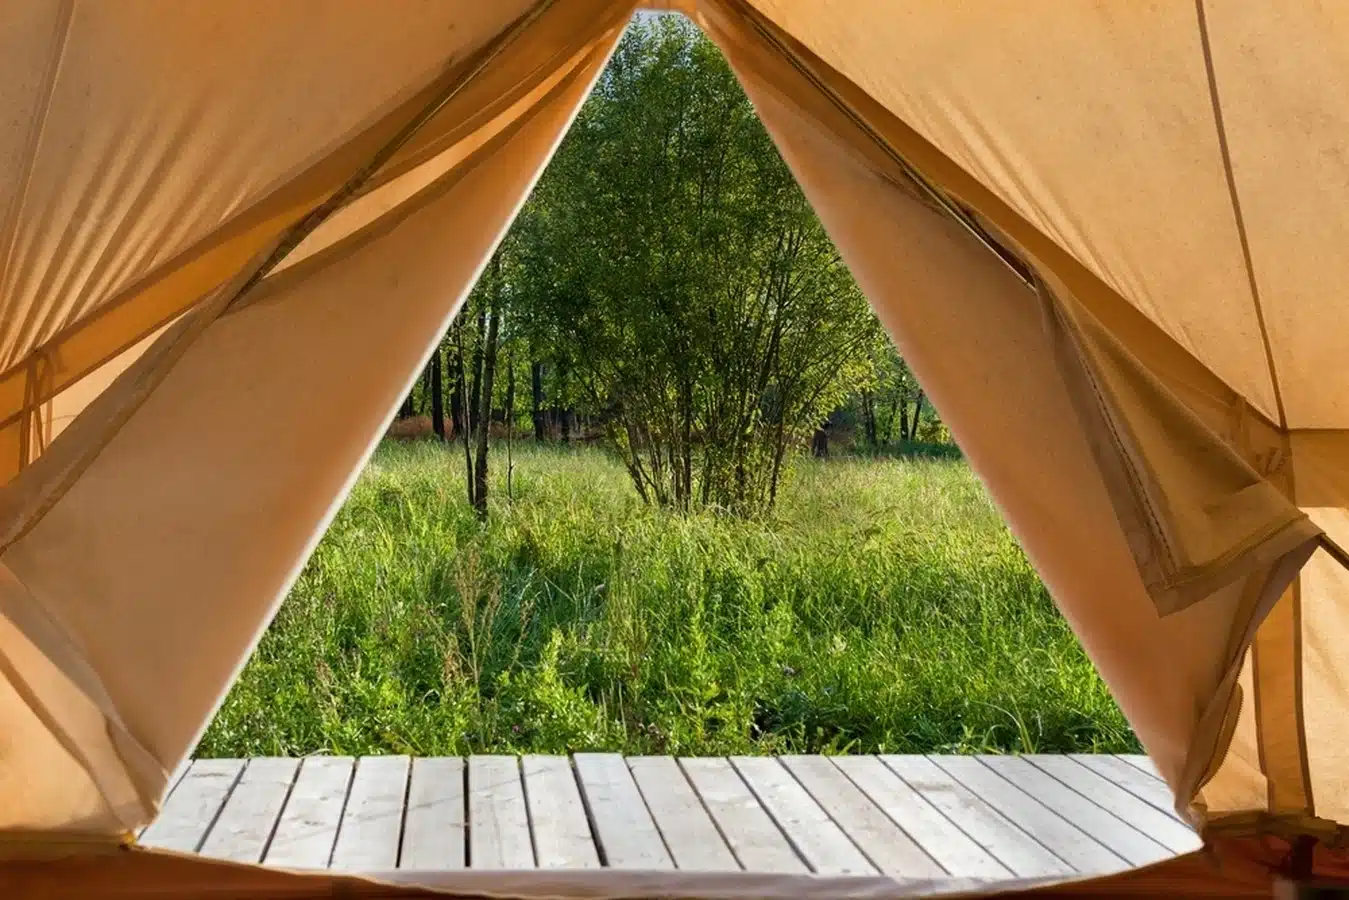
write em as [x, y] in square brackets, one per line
[132, 602]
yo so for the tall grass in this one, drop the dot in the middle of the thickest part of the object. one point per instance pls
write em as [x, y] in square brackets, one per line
[883, 607]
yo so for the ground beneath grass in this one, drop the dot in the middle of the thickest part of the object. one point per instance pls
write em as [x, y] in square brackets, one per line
[884, 607]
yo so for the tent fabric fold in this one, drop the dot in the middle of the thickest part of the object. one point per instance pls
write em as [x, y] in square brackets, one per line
[1107, 241]
[222, 408]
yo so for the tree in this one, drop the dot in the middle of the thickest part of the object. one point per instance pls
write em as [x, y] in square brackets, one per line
[689, 294]
[668, 284]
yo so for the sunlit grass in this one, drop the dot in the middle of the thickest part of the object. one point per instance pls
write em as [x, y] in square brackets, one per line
[883, 607]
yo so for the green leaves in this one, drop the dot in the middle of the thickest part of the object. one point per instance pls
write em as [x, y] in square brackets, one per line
[669, 264]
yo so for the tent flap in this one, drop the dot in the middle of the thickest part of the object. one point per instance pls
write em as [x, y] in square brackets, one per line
[236, 450]
[1196, 515]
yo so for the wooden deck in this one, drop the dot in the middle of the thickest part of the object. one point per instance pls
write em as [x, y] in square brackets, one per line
[983, 817]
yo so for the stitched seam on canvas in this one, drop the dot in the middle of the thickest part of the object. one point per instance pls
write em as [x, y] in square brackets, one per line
[1236, 211]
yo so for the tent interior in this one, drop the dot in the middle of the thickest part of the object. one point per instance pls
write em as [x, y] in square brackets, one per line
[1113, 228]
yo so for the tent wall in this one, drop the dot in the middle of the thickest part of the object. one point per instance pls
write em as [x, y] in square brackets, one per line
[243, 452]
[1111, 131]
[164, 144]
[991, 353]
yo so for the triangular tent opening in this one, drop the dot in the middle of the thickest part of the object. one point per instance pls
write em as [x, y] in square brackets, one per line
[211, 214]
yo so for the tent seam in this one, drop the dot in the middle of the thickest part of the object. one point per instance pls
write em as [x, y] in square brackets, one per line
[37, 127]
[1240, 220]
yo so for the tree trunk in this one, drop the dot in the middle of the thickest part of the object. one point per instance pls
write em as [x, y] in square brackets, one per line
[489, 368]
[508, 413]
[904, 420]
[892, 419]
[461, 387]
[686, 439]
[406, 411]
[869, 418]
[475, 384]
[426, 387]
[536, 398]
[456, 403]
[819, 444]
[438, 393]
[917, 417]
[510, 424]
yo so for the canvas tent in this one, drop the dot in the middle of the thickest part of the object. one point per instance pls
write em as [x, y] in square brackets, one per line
[1108, 239]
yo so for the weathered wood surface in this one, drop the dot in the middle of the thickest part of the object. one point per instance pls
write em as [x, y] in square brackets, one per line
[905, 816]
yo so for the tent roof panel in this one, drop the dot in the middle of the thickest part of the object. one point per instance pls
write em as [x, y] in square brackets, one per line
[1094, 123]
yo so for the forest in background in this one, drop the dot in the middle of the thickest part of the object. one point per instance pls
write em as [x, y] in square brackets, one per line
[668, 291]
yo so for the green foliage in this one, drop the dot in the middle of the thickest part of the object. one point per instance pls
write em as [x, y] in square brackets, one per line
[884, 607]
[678, 278]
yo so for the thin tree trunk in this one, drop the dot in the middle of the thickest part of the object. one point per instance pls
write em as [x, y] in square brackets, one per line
[819, 444]
[904, 421]
[489, 368]
[463, 391]
[893, 418]
[475, 385]
[536, 398]
[438, 393]
[407, 411]
[456, 404]
[426, 386]
[686, 439]
[869, 417]
[510, 424]
[509, 410]
[917, 417]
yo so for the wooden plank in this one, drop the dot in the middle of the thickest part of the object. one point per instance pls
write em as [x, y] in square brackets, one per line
[1133, 845]
[498, 820]
[819, 840]
[192, 808]
[953, 849]
[755, 839]
[885, 844]
[1050, 826]
[308, 827]
[689, 832]
[1014, 848]
[627, 835]
[557, 816]
[1142, 763]
[1156, 824]
[434, 831]
[1144, 787]
[245, 825]
[372, 823]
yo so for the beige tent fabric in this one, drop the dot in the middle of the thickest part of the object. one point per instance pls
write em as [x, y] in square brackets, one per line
[242, 454]
[1288, 762]
[1100, 236]
[189, 169]
[975, 335]
[1137, 195]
